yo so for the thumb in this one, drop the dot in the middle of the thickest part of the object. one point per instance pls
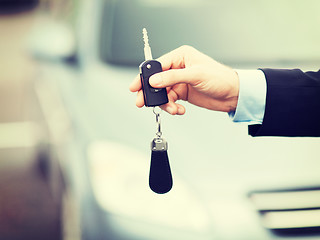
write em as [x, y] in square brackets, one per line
[171, 77]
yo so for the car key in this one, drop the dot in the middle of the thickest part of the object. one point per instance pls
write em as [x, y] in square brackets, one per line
[152, 96]
[160, 177]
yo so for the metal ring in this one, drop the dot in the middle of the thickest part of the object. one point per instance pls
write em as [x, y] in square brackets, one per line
[155, 112]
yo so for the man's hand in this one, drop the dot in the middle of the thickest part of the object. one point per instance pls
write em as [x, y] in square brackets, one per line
[192, 76]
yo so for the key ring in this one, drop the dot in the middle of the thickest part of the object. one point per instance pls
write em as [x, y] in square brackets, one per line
[158, 121]
[157, 112]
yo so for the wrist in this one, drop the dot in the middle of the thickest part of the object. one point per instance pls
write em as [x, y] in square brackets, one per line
[235, 84]
[234, 90]
[233, 103]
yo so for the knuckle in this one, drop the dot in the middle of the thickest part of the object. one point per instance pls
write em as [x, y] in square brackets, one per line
[187, 48]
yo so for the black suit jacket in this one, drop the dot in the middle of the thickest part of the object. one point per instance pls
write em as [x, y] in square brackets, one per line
[292, 104]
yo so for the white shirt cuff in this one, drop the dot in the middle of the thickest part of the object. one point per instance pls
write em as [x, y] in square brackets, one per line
[252, 97]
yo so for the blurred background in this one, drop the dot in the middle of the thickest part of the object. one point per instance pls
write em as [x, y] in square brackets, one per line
[74, 149]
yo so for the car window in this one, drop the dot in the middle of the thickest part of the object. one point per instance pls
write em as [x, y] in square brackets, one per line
[231, 31]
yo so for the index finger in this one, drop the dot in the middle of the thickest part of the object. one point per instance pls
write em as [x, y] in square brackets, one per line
[136, 84]
[176, 59]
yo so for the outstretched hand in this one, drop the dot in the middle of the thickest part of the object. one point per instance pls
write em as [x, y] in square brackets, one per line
[192, 76]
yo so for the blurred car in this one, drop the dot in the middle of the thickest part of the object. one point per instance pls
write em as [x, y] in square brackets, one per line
[227, 185]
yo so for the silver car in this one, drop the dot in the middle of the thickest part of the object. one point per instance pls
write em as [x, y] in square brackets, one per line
[226, 184]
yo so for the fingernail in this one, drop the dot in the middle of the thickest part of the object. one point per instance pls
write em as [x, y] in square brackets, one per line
[170, 110]
[180, 110]
[155, 80]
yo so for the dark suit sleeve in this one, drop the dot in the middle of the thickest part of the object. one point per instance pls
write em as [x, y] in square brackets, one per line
[292, 104]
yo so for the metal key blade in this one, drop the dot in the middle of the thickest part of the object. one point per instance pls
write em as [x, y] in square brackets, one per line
[147, 49]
